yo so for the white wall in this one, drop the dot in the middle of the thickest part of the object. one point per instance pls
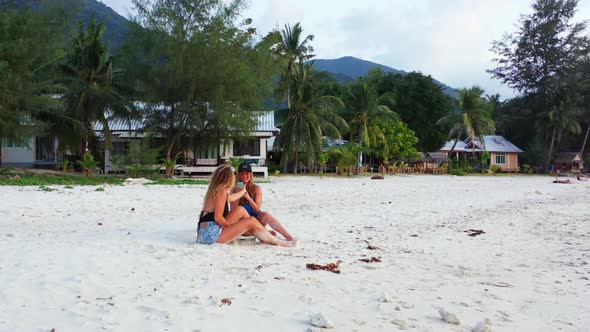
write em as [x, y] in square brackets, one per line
[20, 155]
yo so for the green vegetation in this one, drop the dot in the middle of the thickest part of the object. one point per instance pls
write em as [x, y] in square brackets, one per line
[460, 167]
[555, 90]
[311, 116]
[46, 189]
[200, 71]
[474, 117]
[366, 113]
[526, 168]
[173, 182]
[88, 164]
[495, 169]
[485, 160]
[51, 179]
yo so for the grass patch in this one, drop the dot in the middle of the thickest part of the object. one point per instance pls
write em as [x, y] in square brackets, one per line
[57, 179]
[99, 189]
[174, 182]
[47, 189]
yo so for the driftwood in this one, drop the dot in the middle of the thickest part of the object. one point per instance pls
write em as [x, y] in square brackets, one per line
[332, 267]
[371, 260]
[474, 232]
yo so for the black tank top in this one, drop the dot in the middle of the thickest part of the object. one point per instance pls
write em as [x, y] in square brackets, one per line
[210, 216]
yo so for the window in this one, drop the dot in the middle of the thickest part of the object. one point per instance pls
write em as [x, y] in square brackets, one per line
[500, 158]
[206, 151]
[8, 142]
[249, 148]
[120, 148]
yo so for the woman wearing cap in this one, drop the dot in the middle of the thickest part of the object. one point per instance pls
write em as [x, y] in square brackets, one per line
[252, 202]
[218, 225]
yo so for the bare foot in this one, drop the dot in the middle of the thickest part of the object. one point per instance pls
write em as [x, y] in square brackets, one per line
[290, 243]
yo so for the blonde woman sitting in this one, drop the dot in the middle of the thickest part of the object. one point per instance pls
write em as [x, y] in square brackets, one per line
[218, 225]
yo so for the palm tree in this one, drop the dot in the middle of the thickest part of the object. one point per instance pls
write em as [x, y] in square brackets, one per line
[473, 116]
[585, 99]
[310, 117]
[346, 157]
[562, 117]
[92, 94]
[366, 110]
[293, 50]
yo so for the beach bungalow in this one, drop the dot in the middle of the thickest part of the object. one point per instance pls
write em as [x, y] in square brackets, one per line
[569, 162]
[502, 152]
[205, 158]
[33, 151]
[431, 162]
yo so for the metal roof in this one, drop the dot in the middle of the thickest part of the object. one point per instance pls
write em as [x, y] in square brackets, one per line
[568, 157]
[499, 144]
[460, 146]
[265, 122]
[121, 125]
[437, 156]
[493, 143]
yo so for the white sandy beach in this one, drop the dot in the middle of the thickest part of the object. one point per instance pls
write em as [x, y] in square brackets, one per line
[142, 271]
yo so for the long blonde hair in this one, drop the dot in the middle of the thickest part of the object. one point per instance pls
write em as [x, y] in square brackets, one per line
[250, 188]
[222, 179]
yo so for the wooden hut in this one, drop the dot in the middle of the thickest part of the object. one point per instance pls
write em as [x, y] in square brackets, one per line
[568, 162]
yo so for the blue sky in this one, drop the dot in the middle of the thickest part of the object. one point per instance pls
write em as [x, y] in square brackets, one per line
[449, 40]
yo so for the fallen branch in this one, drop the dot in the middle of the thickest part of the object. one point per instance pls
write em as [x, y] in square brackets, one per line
[332, 267]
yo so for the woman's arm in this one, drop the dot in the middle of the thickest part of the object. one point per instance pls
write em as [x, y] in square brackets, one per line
[255, 203]
[236, 195]
[220, 202]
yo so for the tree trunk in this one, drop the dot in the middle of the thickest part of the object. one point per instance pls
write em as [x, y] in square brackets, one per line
[284, 161]
[357, 166]
[288, 98]
[551, 147]
[584, 143]
[456, 140]
[169, 163]
[296, 162]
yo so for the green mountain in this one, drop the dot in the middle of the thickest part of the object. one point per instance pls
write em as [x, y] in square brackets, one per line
[347, 69]
[117, 25]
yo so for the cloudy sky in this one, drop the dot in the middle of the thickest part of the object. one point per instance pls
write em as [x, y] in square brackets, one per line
[449, 40]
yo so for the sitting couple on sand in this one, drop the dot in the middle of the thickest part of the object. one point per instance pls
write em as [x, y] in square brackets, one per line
[219, 224]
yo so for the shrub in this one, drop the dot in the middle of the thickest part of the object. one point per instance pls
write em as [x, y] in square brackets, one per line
[64, 165]
[496, 169]
[5, 171]
[460, 167]
[272, 167]
[457, 171]
[88, 164]
[485, 159]
[526, 168]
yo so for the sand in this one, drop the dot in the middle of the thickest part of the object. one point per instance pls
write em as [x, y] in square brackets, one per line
[125, 259]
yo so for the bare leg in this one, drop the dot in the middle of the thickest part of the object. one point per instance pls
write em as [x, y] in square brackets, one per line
[267, 218]
[242, 226]
[236, 214]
